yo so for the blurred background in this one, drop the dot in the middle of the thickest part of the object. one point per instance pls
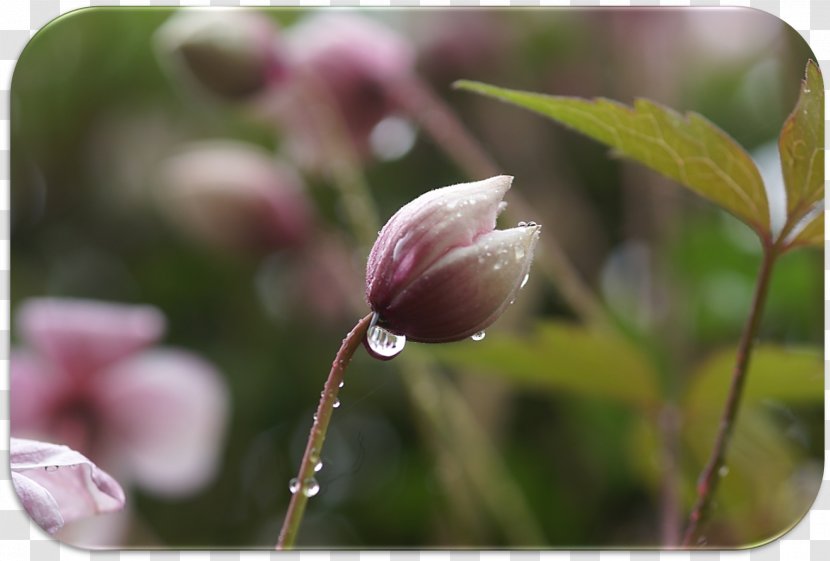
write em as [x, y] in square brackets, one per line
[230, 169]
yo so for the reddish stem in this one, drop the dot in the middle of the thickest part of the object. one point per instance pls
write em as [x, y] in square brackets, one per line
[317, 436]
[709, 477]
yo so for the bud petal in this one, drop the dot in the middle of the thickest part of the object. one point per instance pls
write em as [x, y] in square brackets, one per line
[233, 195]
[230, 54]
[355, 58]
[439, 271]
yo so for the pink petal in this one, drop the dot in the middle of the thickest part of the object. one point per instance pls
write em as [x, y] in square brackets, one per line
[34, 387]
[167, 412]
[427, 228]
[38, 502]
[82, 336]
[57, 484]
[466, 290]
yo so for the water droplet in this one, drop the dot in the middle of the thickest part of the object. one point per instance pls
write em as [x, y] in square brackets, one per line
[51, 468]
[723, 471]
[530, 224]
[522, 224]
[318, 466]
[524, 280]
[382, 342]
[519, 252]
[341, 384]
[478, 336]
[294, 485]
[310, 487]
[336, 403]
[314, 417]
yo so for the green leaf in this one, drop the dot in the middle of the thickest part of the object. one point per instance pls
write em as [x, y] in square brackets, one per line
[801, 145]
[690, 149]
[563, 358]
[777, 373]
[812, 233]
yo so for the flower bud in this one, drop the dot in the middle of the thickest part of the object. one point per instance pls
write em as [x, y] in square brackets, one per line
[356, 59]
[440, 271]
[233, 195]
[232, 55]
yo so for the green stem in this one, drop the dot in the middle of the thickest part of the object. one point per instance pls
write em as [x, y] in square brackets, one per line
[317, 436]
[709, 477]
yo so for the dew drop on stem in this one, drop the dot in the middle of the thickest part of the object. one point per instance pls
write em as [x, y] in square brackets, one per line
[310, 487]
[294, 485]
[478, 336]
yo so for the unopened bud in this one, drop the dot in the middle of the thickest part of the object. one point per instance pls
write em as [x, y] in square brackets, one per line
[440, 271]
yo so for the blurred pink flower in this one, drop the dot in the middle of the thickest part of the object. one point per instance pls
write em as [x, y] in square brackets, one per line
[356, 59]
[88, 378]
[57, 485]
[235, 195]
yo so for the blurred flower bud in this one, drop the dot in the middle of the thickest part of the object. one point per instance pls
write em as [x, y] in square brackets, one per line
[469, 43]
[440, 272]
[233, 195]
[232, 55]
[355, 59]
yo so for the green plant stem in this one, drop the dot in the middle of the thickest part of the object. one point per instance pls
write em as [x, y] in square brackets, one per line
[341, 160]
[449, 133]
[317, 436]
[709, 477]
[451, 420]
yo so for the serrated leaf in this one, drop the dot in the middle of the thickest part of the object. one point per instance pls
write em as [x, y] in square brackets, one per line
[801, 146]
[563, 358]
[776, 373]
[689, 149]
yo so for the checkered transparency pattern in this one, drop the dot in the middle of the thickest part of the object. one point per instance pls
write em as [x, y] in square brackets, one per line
[21, 539]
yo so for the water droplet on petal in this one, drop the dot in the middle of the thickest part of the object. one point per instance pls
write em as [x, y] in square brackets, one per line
[524, 280]
[318, 466]
[383, 343]
[478, 336]
[310, 487]
[294, 485]
[51, 468]
[336, 403]
[723, 471]
[522, 224]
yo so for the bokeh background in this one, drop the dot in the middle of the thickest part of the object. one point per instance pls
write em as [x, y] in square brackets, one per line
[551, 431]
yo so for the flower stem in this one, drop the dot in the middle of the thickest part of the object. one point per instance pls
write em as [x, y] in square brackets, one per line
[708, 480]
[317, 436]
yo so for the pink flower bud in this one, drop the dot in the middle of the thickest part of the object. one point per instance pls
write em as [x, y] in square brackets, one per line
[234, 195]
[231, 55]
[356, 59]
[440, 272]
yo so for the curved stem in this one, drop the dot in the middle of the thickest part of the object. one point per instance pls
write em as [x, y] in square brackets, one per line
[708, 480]
[317, 436]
